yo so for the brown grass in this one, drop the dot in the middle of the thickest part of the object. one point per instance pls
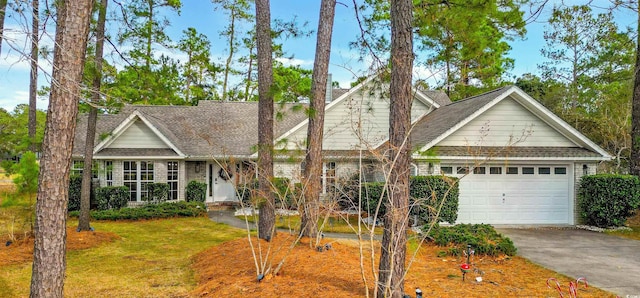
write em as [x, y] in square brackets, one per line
[228, 270]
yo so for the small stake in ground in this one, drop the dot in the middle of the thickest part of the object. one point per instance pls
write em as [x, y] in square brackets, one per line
[465, 267]
[573, 286]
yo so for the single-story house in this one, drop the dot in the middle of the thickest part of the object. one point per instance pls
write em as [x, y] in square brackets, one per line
[520, 163]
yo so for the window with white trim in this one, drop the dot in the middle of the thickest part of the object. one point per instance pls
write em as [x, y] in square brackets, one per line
[77, 167]
[446, 170]
[137, 175]
[462, 170]
[414, 170]
[329, 176]
[108, 172]
[495, 170]
[172, 179]
[480, 170]
[544, 171]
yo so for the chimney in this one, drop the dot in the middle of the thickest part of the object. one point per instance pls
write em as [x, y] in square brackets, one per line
[329, 96]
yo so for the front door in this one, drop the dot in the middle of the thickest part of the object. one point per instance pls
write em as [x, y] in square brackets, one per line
[218, 189]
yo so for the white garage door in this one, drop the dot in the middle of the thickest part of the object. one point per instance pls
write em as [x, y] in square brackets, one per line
[514, 194]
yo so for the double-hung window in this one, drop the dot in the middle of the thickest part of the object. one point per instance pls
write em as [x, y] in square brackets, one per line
[172, 179]
[137, 175]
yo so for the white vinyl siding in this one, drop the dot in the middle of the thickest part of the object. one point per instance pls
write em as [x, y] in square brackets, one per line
[289, 170]
[507, 120]
[138, 135]
[363, 118]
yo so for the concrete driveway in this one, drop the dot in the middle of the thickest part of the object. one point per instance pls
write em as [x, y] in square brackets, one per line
[607, 262]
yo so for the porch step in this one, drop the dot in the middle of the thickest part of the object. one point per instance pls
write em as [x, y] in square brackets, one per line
[217, 206]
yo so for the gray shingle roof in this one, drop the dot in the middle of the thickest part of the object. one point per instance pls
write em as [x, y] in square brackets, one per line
[106, 123]
[216, 128]
[337, 92]
[212, 128]
[439, 97]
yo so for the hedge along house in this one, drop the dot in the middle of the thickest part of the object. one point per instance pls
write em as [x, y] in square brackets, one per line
[519, 162]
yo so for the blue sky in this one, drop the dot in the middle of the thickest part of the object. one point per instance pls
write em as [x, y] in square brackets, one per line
[200, 14]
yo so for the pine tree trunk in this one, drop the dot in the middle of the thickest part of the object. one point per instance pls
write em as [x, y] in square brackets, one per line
[87, 173]
[227, 68]
[3, 12]
[33, 80]
[394, 239]
[313, 160]
[267, 218]
[47, 279]
[634, 162]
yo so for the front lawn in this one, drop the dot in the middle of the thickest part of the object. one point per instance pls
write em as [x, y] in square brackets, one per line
[332, 224]
[156, 258]
[151, 259]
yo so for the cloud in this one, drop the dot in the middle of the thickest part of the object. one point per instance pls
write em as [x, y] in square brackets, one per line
[9, 101]
[295, 62]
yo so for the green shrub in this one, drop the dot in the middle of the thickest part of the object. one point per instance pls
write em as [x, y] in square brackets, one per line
[152, 211]
[196, 191]
[483, 238]
[425, 196]
[348, 191]
[607, 200]
[246, 191]
[286, 193]
[157, 192]
[427, 193]
[75, 189]
[7, 166]
[112, 197]
[27, 169]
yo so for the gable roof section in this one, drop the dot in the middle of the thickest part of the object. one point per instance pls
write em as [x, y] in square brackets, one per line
[157, 128]
[441, 123]
[435, 99]
[211, 129]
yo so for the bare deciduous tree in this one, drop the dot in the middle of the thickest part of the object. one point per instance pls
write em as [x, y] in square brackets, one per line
[49, 255]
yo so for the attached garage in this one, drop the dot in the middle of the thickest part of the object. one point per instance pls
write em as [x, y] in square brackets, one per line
[525, 161]
[515, 194]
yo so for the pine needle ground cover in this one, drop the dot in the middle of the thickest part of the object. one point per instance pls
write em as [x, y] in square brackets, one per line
[228, 271]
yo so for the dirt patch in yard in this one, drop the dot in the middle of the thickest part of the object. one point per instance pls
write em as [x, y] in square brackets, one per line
[228, 270]
[634, 221]
[21, 250]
